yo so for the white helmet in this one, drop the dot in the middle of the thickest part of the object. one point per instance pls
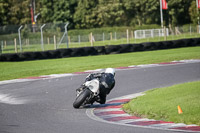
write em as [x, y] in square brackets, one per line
[110, 70]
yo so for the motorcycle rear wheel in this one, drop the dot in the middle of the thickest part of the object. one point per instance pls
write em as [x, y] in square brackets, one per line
[81, 98]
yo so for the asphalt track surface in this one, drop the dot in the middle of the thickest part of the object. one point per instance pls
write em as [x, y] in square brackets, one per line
[45, 106]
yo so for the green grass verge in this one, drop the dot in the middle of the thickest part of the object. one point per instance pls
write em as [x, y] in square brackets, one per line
[13, 70]
[161, 104]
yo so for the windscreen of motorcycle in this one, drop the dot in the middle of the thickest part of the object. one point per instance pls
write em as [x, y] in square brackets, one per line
[93, 85]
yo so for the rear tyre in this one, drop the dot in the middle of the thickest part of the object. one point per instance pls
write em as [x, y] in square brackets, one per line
[81, 98]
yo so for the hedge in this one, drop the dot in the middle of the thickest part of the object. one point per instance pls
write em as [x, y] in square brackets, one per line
[100, 50]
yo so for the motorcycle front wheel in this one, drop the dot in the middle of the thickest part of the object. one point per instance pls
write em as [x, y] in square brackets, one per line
[81, 98]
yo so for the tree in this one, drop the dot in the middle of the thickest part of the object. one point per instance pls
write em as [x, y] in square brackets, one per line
[141, 12]
[90, 14]
[84, 16]
[194, 13]
[110, 13]
[19, 12]
[14, 12]
[3, 12]
[46, 11]
[98, 13]
[178, 12]
[57, 11]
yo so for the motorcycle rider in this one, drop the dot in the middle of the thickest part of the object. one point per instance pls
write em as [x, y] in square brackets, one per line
[107, 82]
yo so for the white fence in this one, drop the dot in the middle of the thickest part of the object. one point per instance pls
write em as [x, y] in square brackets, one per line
[150, 33]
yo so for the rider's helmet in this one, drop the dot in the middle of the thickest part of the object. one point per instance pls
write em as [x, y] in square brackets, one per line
[110, 70]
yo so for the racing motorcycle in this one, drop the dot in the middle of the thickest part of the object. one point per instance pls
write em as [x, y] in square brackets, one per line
[87, 94]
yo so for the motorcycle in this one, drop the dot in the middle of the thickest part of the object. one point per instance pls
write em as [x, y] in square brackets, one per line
[87, 94]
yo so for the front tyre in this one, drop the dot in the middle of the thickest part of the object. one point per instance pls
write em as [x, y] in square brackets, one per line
[81, 98]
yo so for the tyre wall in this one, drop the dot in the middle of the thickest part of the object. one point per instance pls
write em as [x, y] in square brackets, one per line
[100, 50]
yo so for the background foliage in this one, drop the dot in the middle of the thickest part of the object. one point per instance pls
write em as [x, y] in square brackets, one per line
[82, 14]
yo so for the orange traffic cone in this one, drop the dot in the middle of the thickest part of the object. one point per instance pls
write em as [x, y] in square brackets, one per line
[179, 110]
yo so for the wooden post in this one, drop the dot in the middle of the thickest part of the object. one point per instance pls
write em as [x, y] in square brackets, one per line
[79, 39]
[15, 42]
[91, 39]
[132, 34]
[177, 31]
[54, 38]
[127, 35]
[171, 30]
[198, 30]
[48, 40]
[111, 36]
[69, 39]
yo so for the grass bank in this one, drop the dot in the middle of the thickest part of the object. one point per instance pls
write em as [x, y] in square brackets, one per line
[161, 104]
[13, 70]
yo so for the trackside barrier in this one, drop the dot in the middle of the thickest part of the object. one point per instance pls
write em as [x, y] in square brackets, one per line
[99, 50]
